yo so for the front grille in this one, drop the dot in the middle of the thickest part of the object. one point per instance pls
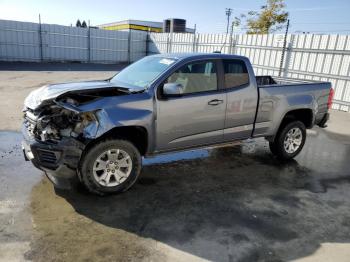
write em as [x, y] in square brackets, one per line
[48, 157]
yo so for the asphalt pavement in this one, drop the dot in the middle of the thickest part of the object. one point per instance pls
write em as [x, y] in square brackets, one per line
[236, 203]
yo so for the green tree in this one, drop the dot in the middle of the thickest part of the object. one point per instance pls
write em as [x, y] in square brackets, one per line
[270, 18]
[84, 24]
[78, 24]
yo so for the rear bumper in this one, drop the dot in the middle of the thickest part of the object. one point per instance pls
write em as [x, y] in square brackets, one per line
[323, 121]
[58, 160]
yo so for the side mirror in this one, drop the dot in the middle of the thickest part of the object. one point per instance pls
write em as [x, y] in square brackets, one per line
[173, 89]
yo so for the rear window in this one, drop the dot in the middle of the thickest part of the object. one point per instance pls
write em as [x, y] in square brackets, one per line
[236, 73]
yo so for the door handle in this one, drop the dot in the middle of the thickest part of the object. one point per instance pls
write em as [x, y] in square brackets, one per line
[215, 102]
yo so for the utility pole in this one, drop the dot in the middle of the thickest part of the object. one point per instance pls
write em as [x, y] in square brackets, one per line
[228, 12]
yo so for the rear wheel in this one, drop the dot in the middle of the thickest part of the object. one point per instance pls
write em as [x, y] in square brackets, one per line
[289, 140]
[111, 166]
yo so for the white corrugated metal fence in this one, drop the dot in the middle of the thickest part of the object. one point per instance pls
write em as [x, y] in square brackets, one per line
[22, 41]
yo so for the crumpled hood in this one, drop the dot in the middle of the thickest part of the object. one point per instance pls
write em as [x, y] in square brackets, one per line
[49, 92]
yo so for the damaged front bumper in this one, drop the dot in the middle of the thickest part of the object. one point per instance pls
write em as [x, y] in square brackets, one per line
[59, 160]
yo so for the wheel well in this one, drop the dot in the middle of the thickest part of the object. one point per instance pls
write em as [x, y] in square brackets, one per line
[303, 115]
[134, 134]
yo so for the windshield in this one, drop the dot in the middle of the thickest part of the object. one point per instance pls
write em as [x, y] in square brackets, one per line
[144, 71]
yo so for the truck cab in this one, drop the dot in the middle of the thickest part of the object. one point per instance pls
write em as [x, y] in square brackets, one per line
[209, 100]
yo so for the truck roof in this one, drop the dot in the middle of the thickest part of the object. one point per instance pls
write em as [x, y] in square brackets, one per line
[181, 56]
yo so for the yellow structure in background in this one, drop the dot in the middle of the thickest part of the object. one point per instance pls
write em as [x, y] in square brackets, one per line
[134, 25]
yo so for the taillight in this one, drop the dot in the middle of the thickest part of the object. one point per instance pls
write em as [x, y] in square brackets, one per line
[330, 98]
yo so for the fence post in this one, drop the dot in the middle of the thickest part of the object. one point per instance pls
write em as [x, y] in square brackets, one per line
[148, 40]
[283, 49]
[230, 40]
[168, 43]
[289, 51]
[194, 43]
[40, 40]
[234, 44]
[89, 44]
[196, 40]
[171, 42]
[230, 45]
[129, 46]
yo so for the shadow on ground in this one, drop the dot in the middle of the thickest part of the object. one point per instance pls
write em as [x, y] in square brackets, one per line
[232, 204]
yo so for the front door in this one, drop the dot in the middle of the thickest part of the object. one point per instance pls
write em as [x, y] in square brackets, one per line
[198, 116]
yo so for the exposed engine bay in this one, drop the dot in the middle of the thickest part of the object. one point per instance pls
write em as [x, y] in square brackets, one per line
[60, 117]
[54, 122]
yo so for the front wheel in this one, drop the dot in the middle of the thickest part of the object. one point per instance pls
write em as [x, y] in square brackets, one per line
[289, 140]
[111, 166]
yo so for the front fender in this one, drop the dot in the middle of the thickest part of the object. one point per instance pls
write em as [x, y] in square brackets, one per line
[122, 111]
[109, 119]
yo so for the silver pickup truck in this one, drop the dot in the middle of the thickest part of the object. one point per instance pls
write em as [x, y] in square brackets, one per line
[98, 131]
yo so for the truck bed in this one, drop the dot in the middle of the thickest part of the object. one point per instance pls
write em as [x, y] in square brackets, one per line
[266, 80]
[278, 95]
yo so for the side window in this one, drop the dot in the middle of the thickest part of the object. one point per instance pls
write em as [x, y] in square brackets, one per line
[196, 77]
[236, 73]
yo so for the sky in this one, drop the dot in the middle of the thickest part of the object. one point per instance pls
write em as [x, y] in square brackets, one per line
[318, 16]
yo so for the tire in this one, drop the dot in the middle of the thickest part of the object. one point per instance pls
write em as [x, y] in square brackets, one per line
[294, 129]
[118, 156]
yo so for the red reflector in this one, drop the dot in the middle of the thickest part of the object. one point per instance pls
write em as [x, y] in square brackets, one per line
[330, 98]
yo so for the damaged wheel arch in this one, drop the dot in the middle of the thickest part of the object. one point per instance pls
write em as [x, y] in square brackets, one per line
[137, 135]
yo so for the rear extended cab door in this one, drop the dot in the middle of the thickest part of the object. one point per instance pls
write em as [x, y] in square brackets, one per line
[242, 98]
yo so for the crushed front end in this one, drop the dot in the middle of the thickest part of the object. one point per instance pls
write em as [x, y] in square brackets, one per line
[53, 146]
[56, 131]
